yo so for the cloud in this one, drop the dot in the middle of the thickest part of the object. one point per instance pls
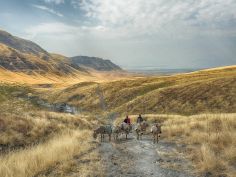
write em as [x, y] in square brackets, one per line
[52, 11]
[173, 33]
[55, 28]
[172, 17]
[55, 1]
[69, 39]
[63, 30]
[77, 3]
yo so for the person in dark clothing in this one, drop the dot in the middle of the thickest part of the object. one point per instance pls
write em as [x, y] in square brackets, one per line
[139, 119]
[127, 120]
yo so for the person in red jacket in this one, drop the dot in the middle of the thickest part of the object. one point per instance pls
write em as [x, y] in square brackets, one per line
[127, 120]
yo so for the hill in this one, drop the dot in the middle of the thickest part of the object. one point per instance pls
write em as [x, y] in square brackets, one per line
[95, 63]
[20, 55]
[203, 91]
[22, 45]
[14, 60]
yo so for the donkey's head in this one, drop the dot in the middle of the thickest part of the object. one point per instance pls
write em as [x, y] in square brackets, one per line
[95, 134]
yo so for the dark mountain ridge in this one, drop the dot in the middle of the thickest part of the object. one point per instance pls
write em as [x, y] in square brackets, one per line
[22, 45]
[95, 63]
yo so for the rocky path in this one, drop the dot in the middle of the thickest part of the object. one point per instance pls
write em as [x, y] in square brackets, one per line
[132, 158]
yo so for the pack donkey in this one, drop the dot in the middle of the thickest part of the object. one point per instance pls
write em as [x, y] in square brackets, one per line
[102, 130]
[156, 131]
[141, 129]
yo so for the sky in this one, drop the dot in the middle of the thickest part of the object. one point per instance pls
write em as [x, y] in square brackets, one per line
[131, 33]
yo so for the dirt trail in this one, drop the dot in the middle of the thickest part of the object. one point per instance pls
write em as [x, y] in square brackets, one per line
[132, 158]
[125, 158]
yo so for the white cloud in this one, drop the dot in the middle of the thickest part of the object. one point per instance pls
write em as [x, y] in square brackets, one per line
[55, 1]
[63, 30]
[51, 29]
[69, 39]
[164, 33]
[163, 17]
[52, 11]
[76, 3]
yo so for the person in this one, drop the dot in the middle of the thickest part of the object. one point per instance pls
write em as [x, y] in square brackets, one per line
[127, 120]
[139, 119]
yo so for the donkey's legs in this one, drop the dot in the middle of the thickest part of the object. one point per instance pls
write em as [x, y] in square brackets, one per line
[109, 137]
[115, 136]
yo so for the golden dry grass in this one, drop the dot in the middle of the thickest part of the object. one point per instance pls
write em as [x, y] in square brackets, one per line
[33, 141]
[54, 69]
[84, 164]
[19, 131]
[210, 139]
[31, 161]
[210, 91]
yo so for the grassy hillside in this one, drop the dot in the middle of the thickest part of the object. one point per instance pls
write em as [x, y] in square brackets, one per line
[32, 140]
[14, 60]
[22, 45]
[203, 91]
[24, 68]
[23, 122]
[21, 55]
[205, 139]
[55, 141]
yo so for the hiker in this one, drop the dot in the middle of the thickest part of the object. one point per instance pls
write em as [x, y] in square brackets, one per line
[139, 119]
[126, 124]
[127, 120]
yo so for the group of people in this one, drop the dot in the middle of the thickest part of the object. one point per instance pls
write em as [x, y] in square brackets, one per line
[139, 120]
[141, 128]
[126, 128]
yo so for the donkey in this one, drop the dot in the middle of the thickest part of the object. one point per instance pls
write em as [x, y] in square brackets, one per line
[126, 129]
[102, 130]
[116, 132]
[140, 129]
[156, 130]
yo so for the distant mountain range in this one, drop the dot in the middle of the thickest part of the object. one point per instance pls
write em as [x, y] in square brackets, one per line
[94, 63]
[22, 55]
